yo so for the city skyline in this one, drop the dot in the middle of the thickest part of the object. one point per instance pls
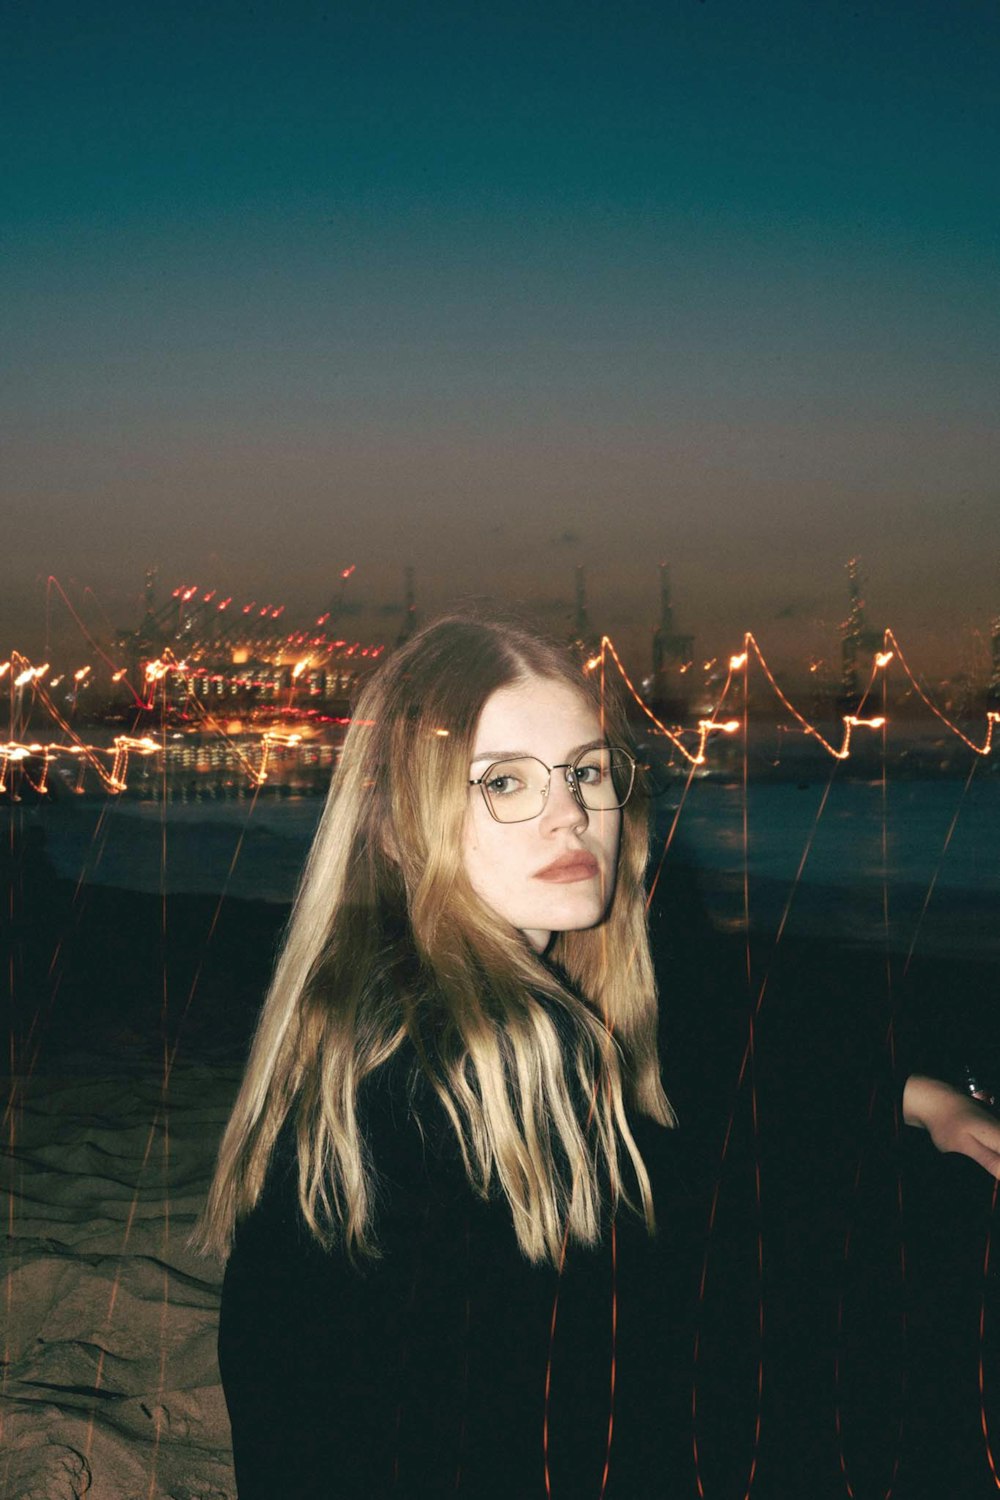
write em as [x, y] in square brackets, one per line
[173, 622]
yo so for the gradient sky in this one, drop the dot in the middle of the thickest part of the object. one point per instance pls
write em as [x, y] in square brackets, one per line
[498, 289]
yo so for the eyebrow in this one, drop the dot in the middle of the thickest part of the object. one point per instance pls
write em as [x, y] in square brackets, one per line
[599, 743]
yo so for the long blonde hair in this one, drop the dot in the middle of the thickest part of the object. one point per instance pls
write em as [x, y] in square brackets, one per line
[387, 942]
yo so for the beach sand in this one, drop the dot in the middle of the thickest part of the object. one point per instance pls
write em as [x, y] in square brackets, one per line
[111, 1382]
[122, 1081]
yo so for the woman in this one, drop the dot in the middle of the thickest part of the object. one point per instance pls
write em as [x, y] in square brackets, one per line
[437, 1132]
[436, 1185]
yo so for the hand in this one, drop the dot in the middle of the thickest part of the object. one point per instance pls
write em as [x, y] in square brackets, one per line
[954, 1121]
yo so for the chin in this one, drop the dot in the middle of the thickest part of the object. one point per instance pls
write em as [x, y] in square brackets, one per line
[575, 916]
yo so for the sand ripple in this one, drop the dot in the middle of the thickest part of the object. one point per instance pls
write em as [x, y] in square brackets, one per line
[110, 1386]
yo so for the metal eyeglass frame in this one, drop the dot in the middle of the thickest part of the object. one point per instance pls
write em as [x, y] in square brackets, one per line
[571, 781]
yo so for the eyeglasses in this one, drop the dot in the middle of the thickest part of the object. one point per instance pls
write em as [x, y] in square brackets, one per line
[515, 791]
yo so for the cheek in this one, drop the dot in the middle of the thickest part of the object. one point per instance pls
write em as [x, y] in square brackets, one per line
[495, 865]
[474, 834]
[608, 831]
[610, 845]
[480, 854]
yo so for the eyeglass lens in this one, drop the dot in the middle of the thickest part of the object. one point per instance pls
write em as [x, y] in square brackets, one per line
[517, 789]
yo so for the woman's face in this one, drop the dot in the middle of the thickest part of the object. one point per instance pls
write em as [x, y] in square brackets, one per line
[555, 873]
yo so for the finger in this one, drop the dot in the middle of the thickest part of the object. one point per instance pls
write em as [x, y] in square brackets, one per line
[986, 1156]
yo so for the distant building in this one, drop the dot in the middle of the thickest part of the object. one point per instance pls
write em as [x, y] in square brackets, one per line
[667, 688]
[409, 621]
[856, 639]
[583, 640]
[994, 688]
[198, 649]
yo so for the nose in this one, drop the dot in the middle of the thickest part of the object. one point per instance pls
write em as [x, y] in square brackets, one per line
[563, 808]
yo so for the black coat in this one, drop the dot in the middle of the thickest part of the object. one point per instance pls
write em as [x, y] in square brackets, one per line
[423, 1373]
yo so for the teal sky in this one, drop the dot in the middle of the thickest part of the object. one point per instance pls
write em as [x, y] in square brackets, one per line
[494, 290]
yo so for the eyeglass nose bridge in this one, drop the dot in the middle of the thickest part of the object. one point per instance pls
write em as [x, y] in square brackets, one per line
[572, 781]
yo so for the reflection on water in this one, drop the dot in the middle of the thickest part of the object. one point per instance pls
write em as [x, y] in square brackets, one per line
[844, 854]
[190, 768]
[921, 837]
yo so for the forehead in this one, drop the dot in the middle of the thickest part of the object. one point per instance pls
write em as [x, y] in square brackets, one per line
[540, 716]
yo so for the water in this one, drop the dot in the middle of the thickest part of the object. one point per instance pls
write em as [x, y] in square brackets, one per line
[863, 855]
[862, 848]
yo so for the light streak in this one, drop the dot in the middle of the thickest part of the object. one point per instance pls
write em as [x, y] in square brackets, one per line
[25, 675]
[705, 726]
[53, 582]
[747, 1069]
[983, 1418]
[113, 780]
[937, 868]
[841, 1350]
[992, 718]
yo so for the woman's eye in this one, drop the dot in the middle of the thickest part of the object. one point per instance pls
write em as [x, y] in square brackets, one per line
[502, 786]
[589, 775]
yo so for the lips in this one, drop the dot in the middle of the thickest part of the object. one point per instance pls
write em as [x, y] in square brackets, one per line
[575, 866]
